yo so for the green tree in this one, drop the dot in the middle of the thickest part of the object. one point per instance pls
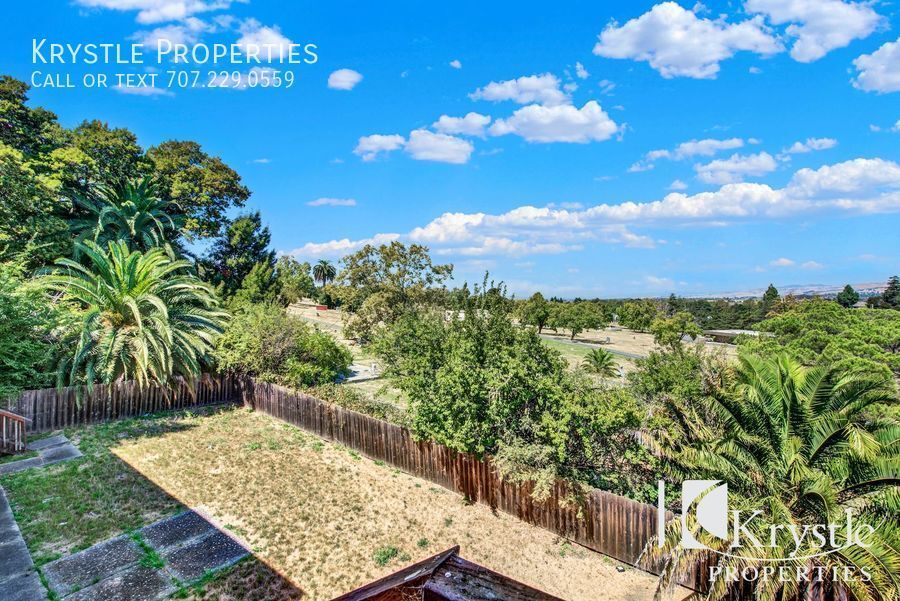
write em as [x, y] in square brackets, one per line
[202, 185]
[260, 286]
[114, 154]
[323, 271]
[799, 444]
[769, 299]
[578, 317]
[847, 297]
[601, 362]
[638, 315]
[33, 132]
[244, 244]
[294, 281]
[263, 341]
[130, 211]
[535, 312]
[818, 331]
[891, 295]
[669, 332]
[31, 225]
[28, 319]
[143, 316]
[377, 284]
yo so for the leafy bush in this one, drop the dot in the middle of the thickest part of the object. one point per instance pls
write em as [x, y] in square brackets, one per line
[263, 341]
[351, 398]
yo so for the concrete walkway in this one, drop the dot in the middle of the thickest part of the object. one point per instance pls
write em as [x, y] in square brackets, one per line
[50, 450]
[127, 567]
[19, 580]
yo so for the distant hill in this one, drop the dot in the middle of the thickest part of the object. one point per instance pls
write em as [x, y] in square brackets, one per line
[824, 290]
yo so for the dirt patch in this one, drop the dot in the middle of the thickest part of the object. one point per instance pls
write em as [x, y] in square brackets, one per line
[322, 516]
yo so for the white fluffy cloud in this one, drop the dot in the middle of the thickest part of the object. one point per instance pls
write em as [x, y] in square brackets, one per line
[186, 32]
[424, 145]
[369, 147]
[855, 187]
[782, 262]
[472, 124]
[879, 71]
[810, 145]
[344, 79]
[543, 89]
[339, 248]
[685, 150]
[678, 43]
[735, 168]
[581, 72]
[456, 64]
[332, 202]
[818, 26]
[561, 123]
[269, 40]
[159, 11]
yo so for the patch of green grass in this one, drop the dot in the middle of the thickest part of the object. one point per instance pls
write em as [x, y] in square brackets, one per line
[384, 555]
[150, 558]
[448, 521]
[423, 542]
[78, 503]
[17, 457]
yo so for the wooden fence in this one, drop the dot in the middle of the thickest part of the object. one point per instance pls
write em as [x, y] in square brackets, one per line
[12, 432]
[55, 408]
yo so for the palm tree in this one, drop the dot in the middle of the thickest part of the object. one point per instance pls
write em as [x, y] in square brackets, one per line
[131, 211]
[804, 445]
[144, 316]
[323, 271]
[601, 362]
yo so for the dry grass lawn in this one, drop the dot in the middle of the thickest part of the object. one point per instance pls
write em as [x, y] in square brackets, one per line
[330, 520]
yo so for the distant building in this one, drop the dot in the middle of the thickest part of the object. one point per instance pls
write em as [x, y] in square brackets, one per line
[728, 336]
[446, 577]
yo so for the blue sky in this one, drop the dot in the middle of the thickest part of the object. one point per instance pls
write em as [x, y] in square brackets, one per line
[632, 148]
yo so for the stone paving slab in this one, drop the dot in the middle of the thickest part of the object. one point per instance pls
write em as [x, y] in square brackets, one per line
[176, 530]
[18, 578]
[46, 443]
[134, 584]
[26, 587]
[211, 552]
[86, 567]
[57, 449]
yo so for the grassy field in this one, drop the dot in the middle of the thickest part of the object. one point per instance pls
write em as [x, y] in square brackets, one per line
[329, 520]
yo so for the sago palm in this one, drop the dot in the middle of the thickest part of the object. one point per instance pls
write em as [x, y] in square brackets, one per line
[145, 317]
[131, 211]
[323, 271]
[804, 445]
[601, 362]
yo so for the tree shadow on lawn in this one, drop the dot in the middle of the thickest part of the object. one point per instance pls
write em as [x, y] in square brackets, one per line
[70, 506]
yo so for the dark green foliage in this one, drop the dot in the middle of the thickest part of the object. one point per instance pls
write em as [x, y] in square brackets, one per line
[847, 297]
[670, 332]
[890, 299]
[535, 311]
[263, 341]
[27, 345]
[577, 317]
[202, 185]
[244, 244]
[638, 315]
[822, 331]
[294, 281]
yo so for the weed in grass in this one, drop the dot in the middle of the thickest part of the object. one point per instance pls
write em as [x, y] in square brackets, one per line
[253, 446]
[318, 446]
[423, 542]
[379, 462]
[383, 555]
[150, 558]
[355, 454]
[448, 521]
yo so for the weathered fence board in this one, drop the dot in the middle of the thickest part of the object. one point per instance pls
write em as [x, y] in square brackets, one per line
[56, 408]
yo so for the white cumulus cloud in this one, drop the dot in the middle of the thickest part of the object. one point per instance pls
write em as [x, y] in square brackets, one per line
[159, 11]
[581, 72]
[810, 145]
[424, 145]
[472, 124]
[339, 248]
[735, 168]
[369, 147]
[879, 71]
[543, 89]
[818, 26]
[678, 43]
[267, 41]
[456, 64]
[561, 123]
[332, 202]
[344, 79]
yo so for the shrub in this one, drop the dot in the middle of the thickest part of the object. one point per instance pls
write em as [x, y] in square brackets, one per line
[263, 341]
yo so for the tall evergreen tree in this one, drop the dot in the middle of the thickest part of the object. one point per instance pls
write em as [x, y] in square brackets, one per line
[244, 244]
[847, 297]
